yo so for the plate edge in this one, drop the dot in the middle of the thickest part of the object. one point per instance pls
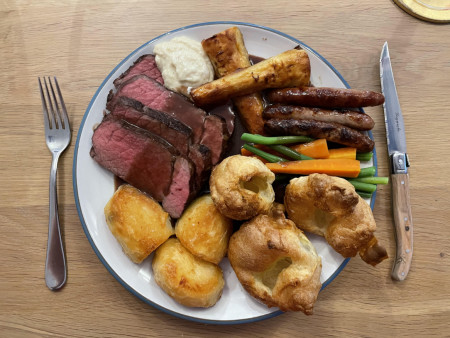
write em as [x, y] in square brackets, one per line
[75, 186]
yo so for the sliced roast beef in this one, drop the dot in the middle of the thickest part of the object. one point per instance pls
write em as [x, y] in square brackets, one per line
[178, 197]
[215, 136]
[144, 160]
[155, 96]
[169, 128]
[146, 65]
[161, 124]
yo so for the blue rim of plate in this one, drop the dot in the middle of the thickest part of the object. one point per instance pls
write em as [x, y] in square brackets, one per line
[75, 186]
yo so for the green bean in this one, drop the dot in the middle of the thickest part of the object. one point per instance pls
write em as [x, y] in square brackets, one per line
[367, 172]
[366, 187]
[373, 180]
[289, 152]
[267, 140]
[364, 194]
[364, 156]
[263, 154]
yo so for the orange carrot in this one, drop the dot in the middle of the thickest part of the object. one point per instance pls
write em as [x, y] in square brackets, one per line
[335, 167]
[349, 153]
[245, 152]
[314, 149]
[263, 160]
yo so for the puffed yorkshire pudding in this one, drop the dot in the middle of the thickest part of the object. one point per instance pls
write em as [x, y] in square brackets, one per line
[241, 187]
[330, 207]
[276, 263]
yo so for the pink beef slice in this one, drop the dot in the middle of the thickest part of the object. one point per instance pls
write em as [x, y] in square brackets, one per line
[169, 128]
[144, 160]
[155, 96]
[161, 124]
[178, 197]
[152, 94]
[146, 65]
[215, 125]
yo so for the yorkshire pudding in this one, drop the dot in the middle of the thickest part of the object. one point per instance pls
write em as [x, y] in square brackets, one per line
[241, 187]
[330, 207]
[276, 263]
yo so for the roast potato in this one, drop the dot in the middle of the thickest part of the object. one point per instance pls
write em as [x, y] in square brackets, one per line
[137, 221]
[189, 280]
[204, 231]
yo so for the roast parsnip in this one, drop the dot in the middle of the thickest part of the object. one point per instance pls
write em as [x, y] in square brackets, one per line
[227, 53]
[288, 69]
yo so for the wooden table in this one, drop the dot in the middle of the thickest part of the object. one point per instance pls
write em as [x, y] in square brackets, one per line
[82, 41]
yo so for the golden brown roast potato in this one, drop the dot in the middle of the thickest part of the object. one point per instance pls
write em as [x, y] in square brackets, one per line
[189, 280]
[204, 231]
[276, 263]
[227, 53]
[288, 69]
[137, 221]
[241, 187]
[330, 207]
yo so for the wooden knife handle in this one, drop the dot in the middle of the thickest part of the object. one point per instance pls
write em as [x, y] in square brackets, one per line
[403, 225]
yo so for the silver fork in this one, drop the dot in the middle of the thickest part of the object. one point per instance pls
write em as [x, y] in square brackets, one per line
[57, 135]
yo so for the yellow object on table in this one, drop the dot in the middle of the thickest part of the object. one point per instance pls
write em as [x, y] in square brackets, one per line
[437, 11]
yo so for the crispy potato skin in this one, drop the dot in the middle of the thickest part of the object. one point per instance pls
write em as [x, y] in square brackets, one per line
[227, 53]
[204, 231]
[138, 222]
[288, 69]
[189, 280]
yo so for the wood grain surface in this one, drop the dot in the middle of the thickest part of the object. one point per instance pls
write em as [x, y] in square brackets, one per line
[82, 41]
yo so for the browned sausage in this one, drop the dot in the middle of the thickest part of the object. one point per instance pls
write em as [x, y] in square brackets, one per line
[324, 97]
[333, 132]
[349, 118]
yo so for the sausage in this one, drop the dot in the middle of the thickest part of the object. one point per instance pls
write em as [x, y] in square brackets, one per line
[288, 69]
[227, 53]
[349, 118]
[331, 131]
[324, 97]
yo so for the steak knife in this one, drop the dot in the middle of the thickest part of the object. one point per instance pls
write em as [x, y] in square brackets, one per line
[399, 163]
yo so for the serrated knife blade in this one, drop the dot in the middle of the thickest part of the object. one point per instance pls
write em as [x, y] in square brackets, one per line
[399, 163]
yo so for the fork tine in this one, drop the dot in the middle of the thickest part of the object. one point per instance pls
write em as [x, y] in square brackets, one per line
[63, 106]
[44, 106]
[54, 118]
[55, 101]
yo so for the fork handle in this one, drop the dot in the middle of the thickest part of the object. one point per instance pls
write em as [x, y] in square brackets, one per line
[55, 262]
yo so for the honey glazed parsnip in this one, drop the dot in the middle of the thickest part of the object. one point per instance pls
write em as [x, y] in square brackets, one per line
[227, 53]
[288, 69]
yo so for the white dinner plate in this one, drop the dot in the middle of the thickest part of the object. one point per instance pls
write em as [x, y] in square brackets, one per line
[94, 186]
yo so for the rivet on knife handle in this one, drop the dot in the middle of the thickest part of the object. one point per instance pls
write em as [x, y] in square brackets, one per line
[403, 225]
